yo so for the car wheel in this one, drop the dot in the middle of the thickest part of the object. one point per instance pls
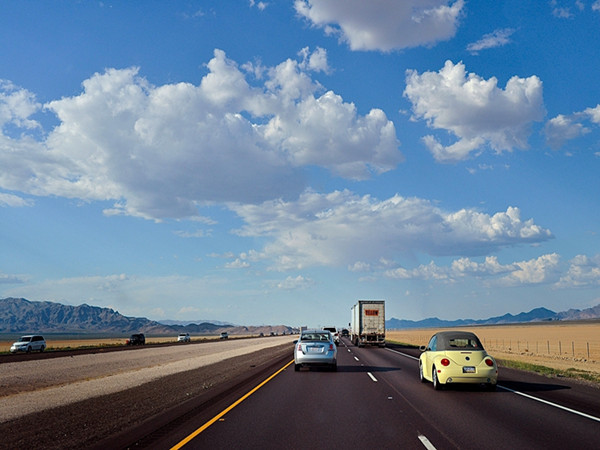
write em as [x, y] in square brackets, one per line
[28, 350]
[434, 378]
[334, 367]
[421, 376]
[296, 367]
[490, 387]
[42, 348]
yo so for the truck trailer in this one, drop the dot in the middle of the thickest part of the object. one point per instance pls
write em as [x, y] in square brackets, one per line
[368, 323]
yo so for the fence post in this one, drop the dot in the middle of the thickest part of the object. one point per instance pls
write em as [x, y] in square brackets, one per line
[548, 342]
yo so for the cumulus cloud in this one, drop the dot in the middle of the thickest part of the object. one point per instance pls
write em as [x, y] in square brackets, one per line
[17, 106]
[474, 110]
[498, 38]
[341, 229]
[534, 271]
[563, 128]
[584, 271]
[384, 25]
[160, 151]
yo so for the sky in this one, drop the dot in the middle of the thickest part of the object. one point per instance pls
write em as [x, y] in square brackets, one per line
[272, 162]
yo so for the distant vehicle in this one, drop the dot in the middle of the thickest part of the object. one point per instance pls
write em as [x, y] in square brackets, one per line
[28, 344]
[368, 323]
[315, 348]
[334, 333]
[457, 357]
[136, 339]
[224, 335]
[183, 337]
[345, 332]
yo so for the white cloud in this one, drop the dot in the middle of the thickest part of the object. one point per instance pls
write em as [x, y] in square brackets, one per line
[260, 5]
[16, 106]
[293, 283]
[237, 264]
[6, 278]
[563, 128]
[384, 25]
[160, 151]
[476, 111]
[430, 271]
[535, 271]
[341, 229]
[584, 271]
[498, 38]
[14, 200]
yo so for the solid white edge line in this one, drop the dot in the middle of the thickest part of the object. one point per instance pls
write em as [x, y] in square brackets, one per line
[372, 377]
[403, 354]
[564, 408]
[428, 445]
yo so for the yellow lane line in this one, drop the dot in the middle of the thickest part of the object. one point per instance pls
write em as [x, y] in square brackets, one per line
[229, 408]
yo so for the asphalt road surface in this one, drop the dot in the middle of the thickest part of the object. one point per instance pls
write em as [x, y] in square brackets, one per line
[375, 400]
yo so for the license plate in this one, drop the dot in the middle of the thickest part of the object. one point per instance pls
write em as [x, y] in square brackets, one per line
[468, 369]
[315, 349]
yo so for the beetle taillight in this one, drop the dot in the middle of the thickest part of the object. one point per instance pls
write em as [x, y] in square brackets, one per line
[489, 362]
[445, 362]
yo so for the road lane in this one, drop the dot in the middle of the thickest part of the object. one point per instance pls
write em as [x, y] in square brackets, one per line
[473, 418]
[376, 400]
[313, 408]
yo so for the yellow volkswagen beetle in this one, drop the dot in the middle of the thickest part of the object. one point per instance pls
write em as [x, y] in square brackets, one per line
[457, 357]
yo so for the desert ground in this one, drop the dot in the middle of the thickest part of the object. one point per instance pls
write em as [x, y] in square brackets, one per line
[560, 345]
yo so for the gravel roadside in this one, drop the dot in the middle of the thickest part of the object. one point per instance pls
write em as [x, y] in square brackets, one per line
[92, 407]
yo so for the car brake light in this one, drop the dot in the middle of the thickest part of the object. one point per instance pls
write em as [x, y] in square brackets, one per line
[445, 362]
[489, 362]
[330, 347]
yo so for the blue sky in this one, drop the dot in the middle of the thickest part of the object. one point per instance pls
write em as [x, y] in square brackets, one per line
[272, 162]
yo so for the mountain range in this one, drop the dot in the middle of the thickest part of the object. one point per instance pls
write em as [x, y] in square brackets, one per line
[535, 315]
[18, 315]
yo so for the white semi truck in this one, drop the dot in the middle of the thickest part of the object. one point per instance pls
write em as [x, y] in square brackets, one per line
[368, 323]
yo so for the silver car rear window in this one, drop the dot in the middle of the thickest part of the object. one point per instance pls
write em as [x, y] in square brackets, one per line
[315, 337]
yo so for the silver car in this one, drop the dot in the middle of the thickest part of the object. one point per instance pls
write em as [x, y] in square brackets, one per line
[315, 348]
[183, 337]
[29, 343]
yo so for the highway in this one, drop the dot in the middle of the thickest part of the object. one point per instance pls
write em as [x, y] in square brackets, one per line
[375, 400]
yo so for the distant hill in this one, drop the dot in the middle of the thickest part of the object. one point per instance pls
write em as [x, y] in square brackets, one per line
[535, 315]
[18, 315]
[189, 322]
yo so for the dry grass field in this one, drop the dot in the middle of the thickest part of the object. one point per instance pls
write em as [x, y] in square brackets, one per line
[559, 345]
